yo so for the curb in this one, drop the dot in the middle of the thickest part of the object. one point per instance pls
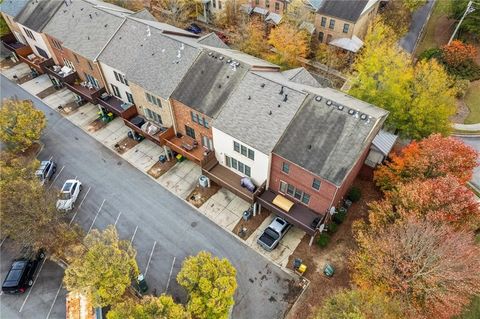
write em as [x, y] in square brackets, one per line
[466, 135]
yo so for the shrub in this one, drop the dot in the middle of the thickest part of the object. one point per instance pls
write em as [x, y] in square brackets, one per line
[332, 228]
[430, 53]
[354, 194]
[339, 217]
[323, 240]
[461, 87]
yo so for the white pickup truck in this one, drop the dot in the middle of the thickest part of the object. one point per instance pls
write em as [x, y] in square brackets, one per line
[273, 234]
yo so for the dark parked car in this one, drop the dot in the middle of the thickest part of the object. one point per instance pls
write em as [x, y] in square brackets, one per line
[194, 28]
[46, 170]
[21, 273]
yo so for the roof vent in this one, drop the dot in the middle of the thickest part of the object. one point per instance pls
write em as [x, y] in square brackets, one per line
[249, 97]
[262, 85]
[281, 91]
[318, 98]
[328, 102]
[88, 37]
[340, 107]
[270, 113]
[285, 98]
[90, 15]
[228, 61]
[238, 63]
[219, 86]
[153, 53]
[228, 76]
[309, 146]
[351, 112]
[356, 114]
[363, 116]
[210, 53]
[221, 58]
[106, 25]
[278, 105]
[81, 9]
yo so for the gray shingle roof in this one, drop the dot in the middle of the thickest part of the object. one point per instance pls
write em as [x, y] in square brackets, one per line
[13, 7]
[85, 26]
[212, 40]
[302, 76]
[328, 141]
[209, 83]
[349, 10]
[144, 15]
[155, 61]
[36, 14]
[256, 112]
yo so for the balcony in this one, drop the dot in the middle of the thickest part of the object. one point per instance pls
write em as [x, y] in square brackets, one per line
[87, 92]
[34, 61]
[225, 177]
[117, 106]
[64, 74]
[147, 129]
[11, 43]
[188, 147]
[298, 215]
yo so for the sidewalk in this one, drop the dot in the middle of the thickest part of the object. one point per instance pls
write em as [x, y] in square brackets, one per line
[224, 208]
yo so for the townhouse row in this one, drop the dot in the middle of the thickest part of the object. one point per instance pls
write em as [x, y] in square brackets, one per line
[270, 136]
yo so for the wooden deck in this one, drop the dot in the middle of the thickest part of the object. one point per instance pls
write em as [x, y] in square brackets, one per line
[90, 95]
[228, 179]
[180, 144]
[118, 107]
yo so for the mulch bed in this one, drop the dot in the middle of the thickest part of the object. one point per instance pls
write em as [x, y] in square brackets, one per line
[69, 108]
[46, 92]
[245, 228]
[336, 253]
[96, 125]
[25, 78]
[8, 63]
[32, 151]
[125, 144]
[201, 194]
[159, 168]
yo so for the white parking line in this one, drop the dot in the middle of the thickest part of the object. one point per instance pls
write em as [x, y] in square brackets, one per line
[74, 215]
[75, 177]
[170, 275]
[116, 220]
[150, 258]
[51, 157]
[31, 288]
[98, 212]
[133, 236]
[54, 300]
[56, 176]
[1, 244]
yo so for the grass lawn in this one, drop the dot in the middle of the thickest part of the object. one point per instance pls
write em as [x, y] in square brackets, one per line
[435, 32]
[472, 100]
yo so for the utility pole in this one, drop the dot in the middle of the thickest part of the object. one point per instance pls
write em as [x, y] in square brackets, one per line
[469, 9]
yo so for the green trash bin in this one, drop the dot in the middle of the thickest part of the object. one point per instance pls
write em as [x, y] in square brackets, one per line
[328, 270]
[142, 284]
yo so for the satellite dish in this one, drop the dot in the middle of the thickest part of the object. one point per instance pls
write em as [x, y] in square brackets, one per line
[321, 228]
[332, 210]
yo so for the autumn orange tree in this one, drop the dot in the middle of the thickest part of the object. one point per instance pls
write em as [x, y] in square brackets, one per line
[457, 53]
[442, 199]
[288, 43]
[431, 157]
[431, 268]
[250, 38]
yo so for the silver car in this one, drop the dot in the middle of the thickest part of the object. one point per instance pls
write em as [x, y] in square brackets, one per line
[46, 171]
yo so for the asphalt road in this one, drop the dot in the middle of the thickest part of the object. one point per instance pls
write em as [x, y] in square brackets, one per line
[163, 229]
[419, 19]
[475, 143]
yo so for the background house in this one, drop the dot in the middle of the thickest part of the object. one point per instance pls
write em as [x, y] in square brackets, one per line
[344, 23]
[9, 10]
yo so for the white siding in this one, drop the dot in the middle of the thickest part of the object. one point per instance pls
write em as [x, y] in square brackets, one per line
[110, 79]
[38, 42]
[223, 144]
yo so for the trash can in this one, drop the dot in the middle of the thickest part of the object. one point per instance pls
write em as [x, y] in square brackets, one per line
[203, 181]
[142, 284]
[247, 214]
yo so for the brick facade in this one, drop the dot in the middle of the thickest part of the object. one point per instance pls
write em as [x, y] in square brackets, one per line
[320, 200]
[270, 5]
[82, 65]
[182, 114]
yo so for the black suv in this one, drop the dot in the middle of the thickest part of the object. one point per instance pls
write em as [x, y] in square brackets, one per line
[20, 275]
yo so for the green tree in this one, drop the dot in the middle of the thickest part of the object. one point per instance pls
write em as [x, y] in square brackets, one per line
[162, 307]
[360, 304]
[4, 29]
[105, 270]
[420, 99]
[211, 284]
[288, 43]
[21, 124]
[471, 23]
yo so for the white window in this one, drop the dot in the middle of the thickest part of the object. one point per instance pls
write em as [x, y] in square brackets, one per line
[152, 115]
[68, 63]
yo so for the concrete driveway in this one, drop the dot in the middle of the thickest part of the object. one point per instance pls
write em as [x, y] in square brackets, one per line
[163, 228]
